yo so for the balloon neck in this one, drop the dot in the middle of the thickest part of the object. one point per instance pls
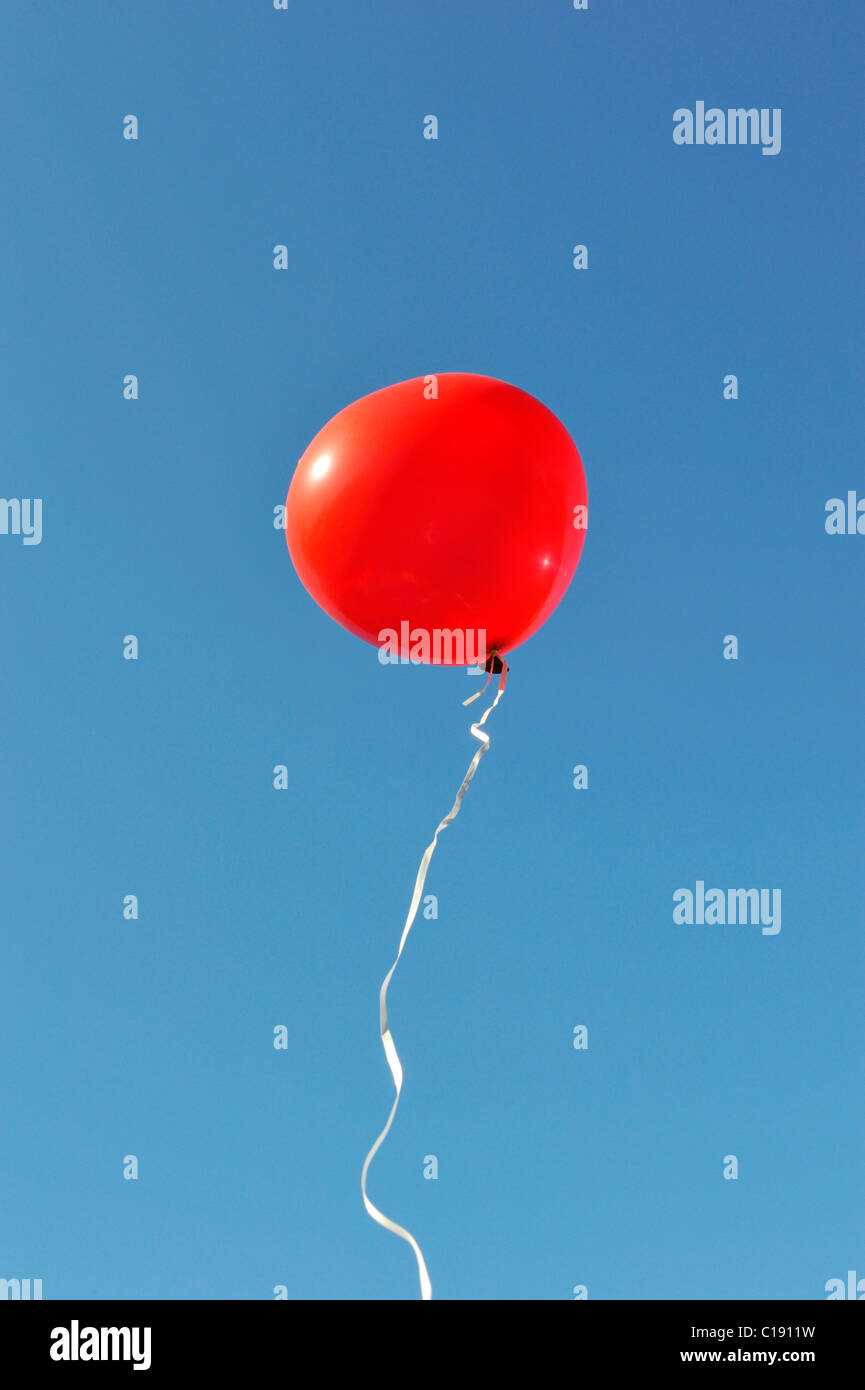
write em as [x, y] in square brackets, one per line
[497, 666]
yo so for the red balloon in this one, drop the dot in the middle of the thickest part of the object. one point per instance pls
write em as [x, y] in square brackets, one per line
[460, 513]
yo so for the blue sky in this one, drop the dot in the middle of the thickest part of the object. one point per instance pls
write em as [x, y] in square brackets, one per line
[260, 907]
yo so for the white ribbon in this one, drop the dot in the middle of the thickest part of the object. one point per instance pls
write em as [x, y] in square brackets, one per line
[388, 1044]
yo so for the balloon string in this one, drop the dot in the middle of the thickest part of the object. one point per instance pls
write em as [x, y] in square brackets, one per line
[390, 1051]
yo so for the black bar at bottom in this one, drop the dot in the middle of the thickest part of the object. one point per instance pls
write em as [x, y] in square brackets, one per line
[212, 1340]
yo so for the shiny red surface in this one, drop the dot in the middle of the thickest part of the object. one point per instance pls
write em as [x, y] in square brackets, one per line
[455, 513]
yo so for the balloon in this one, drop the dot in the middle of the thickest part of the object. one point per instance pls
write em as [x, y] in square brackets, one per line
[449, 504]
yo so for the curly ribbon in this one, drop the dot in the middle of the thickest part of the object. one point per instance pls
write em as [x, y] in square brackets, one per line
[388, 1044]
